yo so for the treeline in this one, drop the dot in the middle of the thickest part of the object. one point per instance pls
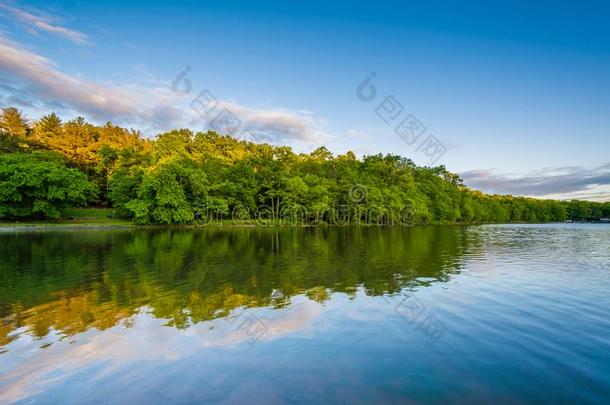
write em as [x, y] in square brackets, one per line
[183, 177]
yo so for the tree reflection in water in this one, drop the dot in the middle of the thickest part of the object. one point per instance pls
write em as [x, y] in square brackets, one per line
[69, 282]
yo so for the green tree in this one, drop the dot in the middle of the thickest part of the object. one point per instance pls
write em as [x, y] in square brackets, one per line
[181, 177]
[172, 192]
[40, 185]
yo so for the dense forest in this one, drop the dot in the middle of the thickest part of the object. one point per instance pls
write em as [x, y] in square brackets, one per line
[181, 177]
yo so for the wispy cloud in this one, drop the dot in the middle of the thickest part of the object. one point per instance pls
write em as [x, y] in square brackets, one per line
[16, 101]
[560, 182]
[276, 125]
[42, 78]
[150, 106]
[37, 23]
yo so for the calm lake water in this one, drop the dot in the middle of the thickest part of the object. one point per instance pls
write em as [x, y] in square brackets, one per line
[502, 313]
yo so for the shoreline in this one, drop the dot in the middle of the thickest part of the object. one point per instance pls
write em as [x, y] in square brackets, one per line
[126, 224]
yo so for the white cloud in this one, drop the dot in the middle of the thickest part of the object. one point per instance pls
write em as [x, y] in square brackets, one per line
[37, 23]
[275, 125]
[152, 106]
[43, 78]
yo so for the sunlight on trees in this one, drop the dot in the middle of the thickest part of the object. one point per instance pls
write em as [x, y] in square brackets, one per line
[183, 177]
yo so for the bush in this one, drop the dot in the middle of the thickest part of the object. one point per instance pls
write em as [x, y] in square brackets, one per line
[40, 185]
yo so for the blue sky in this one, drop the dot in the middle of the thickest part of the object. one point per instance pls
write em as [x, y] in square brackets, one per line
[517, 93]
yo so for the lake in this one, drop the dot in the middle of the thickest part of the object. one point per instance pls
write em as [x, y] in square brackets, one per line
[503, 313]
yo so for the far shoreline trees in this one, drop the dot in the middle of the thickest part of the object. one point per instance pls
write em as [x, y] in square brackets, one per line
[183, 177]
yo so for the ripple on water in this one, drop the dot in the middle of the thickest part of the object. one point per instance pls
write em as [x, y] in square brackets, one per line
[173, 313]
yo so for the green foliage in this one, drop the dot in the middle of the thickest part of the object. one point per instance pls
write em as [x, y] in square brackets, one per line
[185, 177]
[171, 192]
[40, 185]
[88, 213]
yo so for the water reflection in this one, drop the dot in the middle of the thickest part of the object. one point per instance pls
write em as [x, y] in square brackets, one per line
[64, 283]
[156, 316]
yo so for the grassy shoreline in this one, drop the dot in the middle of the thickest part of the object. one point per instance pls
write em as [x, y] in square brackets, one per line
[103, 218]
[68, 223]
[77, 218]
[124, 224]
